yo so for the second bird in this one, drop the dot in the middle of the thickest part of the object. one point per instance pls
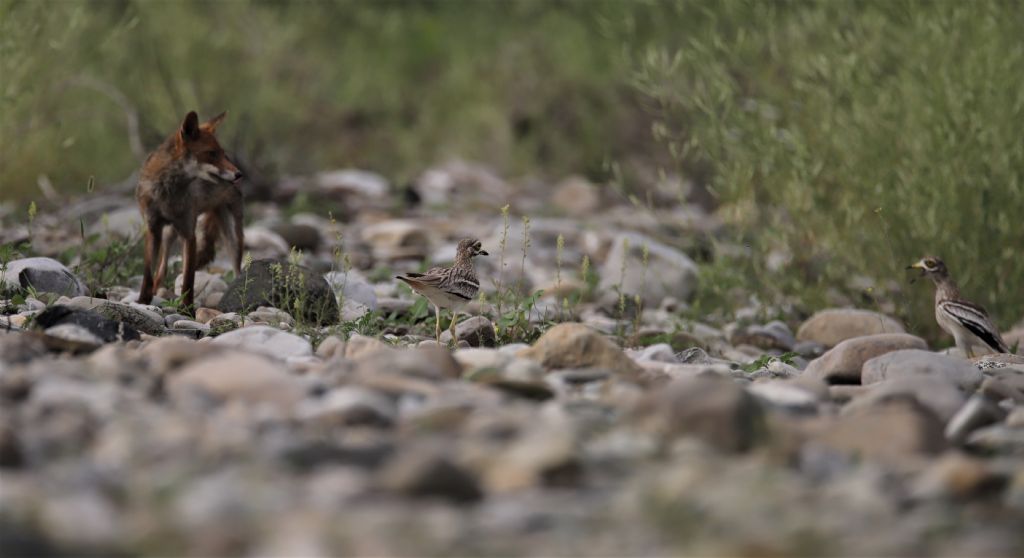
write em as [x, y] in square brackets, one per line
[449, 287]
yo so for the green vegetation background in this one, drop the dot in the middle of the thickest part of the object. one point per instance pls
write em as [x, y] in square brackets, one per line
[858, 136]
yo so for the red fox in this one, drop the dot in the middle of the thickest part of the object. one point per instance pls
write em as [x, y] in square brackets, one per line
[188, 181]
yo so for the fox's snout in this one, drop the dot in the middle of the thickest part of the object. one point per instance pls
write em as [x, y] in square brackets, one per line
[225, 171]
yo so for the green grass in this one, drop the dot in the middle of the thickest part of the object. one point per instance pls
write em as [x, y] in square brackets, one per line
[853, 136]
[523, 85]
[857, 137]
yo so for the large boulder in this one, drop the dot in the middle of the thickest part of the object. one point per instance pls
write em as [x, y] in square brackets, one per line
[915, 362]
[835, 325]
[44, 275]
[294, 288]
[667, 273]
[842, 363]
[573, 345]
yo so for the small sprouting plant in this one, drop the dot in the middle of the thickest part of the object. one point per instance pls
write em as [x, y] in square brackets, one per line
[637, 298]
[525, 250]
[764, 360]
[502, 244]
[559, 249]
[619, 286]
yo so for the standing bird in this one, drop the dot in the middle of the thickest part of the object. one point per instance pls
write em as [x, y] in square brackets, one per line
[967, 322]
[449, 287]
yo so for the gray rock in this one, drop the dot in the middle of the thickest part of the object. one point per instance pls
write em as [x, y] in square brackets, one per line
[397, 239]
[265, 243]
[833, 326]
[477, 331]
[100, 329]
[668, 273]
[190, 325]
[842, 363]
[998, 439]
[74, 333]
[330, 347]
[298, 236]
[208, 287]
[786, 396]
[713, 409]
[979, 411]
[266, 340]
[773, 335]
[272, 316]
[433, 364]
[915, 362]
[282, 285]
[352, 285]
[661, 352]
[937, 394]
[239, 376]
[429, 474]
[891, 432]
[350, 406]
[44, 275]
[576, 196]
[140, 317]
[571, 345]
[352, 183]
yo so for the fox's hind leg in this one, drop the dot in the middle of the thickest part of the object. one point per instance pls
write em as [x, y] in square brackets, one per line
[154, 241]
[161, 270]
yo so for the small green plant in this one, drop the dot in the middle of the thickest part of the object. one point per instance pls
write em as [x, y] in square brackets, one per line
[764, 360]
[514, 326]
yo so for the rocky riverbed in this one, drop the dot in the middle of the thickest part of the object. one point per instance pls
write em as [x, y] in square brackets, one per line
[321, 418]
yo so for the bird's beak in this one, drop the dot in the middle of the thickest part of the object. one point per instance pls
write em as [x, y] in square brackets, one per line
[482, 253]
[917, 265]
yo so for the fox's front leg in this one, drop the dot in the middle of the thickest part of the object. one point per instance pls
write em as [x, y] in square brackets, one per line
[154, 238]
[189, 272]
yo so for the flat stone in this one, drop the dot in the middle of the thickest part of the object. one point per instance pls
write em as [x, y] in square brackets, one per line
[842, 364]
[572, 345]
[833, 326]
[937, 394]
[102, 329]
[915, 362]
[138, 316]
[713, 409]
[266, 340]
[240, 376]
[890, 432]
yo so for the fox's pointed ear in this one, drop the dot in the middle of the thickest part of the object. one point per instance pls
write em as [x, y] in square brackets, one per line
[212, 123]
[190, 127]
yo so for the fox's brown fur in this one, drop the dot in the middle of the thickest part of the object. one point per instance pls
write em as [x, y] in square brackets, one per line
[188, 181]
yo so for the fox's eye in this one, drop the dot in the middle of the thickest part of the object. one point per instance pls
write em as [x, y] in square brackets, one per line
[211, 154]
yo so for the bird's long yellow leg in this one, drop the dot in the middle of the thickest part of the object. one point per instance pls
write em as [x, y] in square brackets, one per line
[437, 323]
[455, 340]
